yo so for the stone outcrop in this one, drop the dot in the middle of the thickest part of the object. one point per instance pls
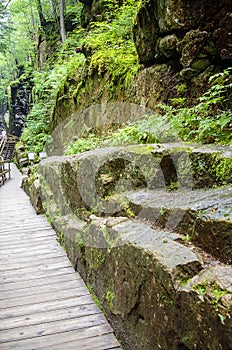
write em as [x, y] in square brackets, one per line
[19, 95]
[179, 46]
[146, 228]
[165, 28]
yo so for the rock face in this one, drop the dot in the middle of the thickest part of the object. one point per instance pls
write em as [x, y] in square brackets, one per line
[19, 99]
[178, 44]
[163, 26]
[156, 255]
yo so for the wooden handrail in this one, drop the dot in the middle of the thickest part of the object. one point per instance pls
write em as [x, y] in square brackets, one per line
[4, 171]
[2, 144]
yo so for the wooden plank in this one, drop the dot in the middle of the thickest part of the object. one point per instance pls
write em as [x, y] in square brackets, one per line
[51, 327]
[27, 242]
[43, 302]
[28, 270]
[36, 233]
[34, 290]
[26, 238]
[26, 277]
[19, 221]
[103, 342]
[25, 272]
[46, 342]
[63, 278]
[22, 229]
[20, 265]
[46, 306]
[46, 317]
[40, 256]
[30, 253]
[42, 298]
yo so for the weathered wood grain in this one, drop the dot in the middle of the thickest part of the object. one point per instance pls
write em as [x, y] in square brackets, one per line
[44, 304]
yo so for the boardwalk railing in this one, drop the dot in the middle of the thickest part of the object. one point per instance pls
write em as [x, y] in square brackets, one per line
[2, 144]
[4, 170]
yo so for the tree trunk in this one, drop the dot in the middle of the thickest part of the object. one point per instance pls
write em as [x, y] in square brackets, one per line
[62, 24]
[32, 20]
[53, 7]
[40, 11]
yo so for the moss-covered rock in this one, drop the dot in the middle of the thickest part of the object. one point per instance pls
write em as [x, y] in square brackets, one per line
[197, 50]
[159, 289]
[156, 19]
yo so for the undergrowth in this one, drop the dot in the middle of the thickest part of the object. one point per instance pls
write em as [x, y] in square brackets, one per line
[207, 121]
[210, 119]
[111, 48]
[111, 44]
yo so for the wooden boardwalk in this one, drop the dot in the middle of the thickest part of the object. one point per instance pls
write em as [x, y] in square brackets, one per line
[44, 304]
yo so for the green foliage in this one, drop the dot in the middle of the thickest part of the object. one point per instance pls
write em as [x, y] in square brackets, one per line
[109, 297]
[112, 44]
[36, 131]
[82, 145]
[111, 49]
[207, 121]
[95, 298]
[210, 119]
[143, 131]
[213, 290]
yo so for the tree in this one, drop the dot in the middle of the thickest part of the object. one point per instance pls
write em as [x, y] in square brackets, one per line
[62, 23]
[40, 12]
[53, 8]
[4, 5]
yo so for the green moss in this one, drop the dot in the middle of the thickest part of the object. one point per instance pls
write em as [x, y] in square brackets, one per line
[60, 238]
[99, 258]
[213, 291]
[79, 240]
[33, 175]
[223, 170]
[95, 298]
[173, 186]
[109, 297]
[138, 149]
[181, 89]
[217, 293]
[188, 340]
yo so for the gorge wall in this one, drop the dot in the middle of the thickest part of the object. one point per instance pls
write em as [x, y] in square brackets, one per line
[19, 95]
[159, 260]
[148, 226]
[179, 46]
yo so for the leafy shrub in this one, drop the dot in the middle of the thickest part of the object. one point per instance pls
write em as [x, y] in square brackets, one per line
[210, 120]
[112, 44]
[83, 144]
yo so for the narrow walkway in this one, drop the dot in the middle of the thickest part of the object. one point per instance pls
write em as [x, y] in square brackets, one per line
[44, 304]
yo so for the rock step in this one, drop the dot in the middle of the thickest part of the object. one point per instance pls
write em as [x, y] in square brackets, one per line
[173, 165]
[148, 281]
[159, 290]
[202, 216]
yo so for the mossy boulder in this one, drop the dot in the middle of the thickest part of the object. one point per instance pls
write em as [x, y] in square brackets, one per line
[159, 290]
[197, 50]
[157, 18]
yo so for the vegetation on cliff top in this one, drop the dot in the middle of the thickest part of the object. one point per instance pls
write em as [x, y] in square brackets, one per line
[104, 47]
